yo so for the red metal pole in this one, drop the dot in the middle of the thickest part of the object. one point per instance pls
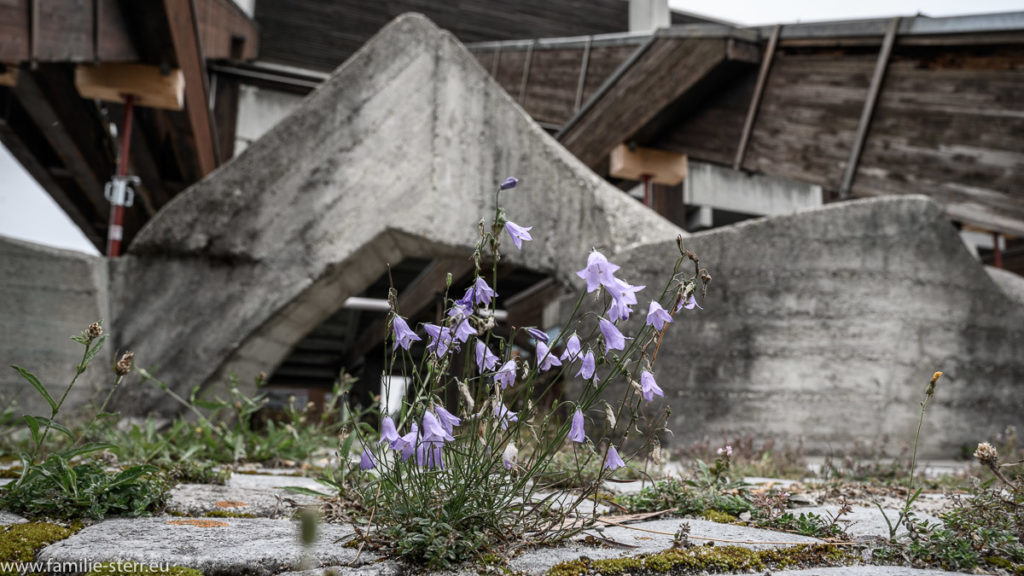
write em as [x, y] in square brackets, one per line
[997, 255]
[115, 231]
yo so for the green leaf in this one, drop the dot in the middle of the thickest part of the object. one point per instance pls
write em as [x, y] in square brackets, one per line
[130, 475]
[94, 350]
[305, 491]
[37, 385]
[88, 449]
[33, 426]
[56, 426]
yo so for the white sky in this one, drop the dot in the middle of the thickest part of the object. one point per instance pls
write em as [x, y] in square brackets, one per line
[28, 213]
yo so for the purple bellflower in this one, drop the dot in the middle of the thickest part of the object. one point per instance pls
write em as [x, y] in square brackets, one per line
[485, 359]
[545, 359]
[367, 461]
[657, 316]
[612, 461]
[433, 431]
[538, 335]
[506, 375]
[504, 415]
[404, 337]
[589, 365]
[388, 433]
[572, 349]
[448, 420]
[465, 302]
[623, 296]
[518, 233]
[429, 455]
[483, 293]
[407, 444]
[613, 339]
[599, 272]
[576, 432]
[464, 330]
[440, 339]
[648, 387]
[509, 183]
[690, 303]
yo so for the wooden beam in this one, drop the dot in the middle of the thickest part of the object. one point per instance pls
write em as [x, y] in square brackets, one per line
[9, 75]
[755, 100]
[412, 300]
[181, 19]
[869, 108]
[150, 86]
[632, 163]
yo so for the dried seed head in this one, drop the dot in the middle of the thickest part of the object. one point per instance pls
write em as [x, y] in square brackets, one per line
[609, 414]
[94, 331]
[124, 365]
[466, 396]
[692, 256]
[656, 453]
[987, 454]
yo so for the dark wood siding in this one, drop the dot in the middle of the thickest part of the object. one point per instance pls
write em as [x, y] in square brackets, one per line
[321, 34]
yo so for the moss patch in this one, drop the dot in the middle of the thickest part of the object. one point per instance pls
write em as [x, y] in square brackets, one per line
[718, 516]
[21, 542]
[109, 568]
[227, 514]
[709, 559]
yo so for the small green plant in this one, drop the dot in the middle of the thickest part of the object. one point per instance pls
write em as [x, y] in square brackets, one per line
[62, 484]
[447, 487]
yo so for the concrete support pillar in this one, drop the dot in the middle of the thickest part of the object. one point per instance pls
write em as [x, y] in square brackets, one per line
[647, 15]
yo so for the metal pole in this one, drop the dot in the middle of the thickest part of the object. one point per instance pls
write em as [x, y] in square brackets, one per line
[648, 192]
[997, 254]
[115, 232]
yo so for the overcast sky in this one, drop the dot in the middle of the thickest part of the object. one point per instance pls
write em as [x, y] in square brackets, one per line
[28, 213]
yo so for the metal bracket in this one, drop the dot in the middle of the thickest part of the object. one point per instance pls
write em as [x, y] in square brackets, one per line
[120, 190]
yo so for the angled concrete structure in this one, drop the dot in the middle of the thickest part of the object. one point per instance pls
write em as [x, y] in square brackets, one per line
[396, 155]
[825, 327]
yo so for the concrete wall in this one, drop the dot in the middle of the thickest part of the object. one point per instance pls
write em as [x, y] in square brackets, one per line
[46, 296]
[825, 327]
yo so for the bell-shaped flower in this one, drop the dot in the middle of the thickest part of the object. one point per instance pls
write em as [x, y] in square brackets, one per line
[407, 444]
[462, 309]
[576, 431]
[430, 455]
[648, 387]
[388, 432]
[618, 310]
[657, 316]
[689, 303]
[504, 415]
[509, 183]
[545, 359]
[464, 330]
[506, 375]
[482, 293]
[599, 272]
[367, 461]
[589, 365]
[623, 298]
[441, 339]
[448, 420]
[612, 461]
[508, 456]
[485, 359]
[433, 431]
[539, 335]
[404, 337]
[613, 339]
[572, 349]
[518, 233]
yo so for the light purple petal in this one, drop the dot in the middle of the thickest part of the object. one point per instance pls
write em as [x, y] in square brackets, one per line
[509, 183]
[518, 233]
[448, 420]
[545, 359]
[657, 316]
[485, 359]
[539, 335]
[572, 349]
[588, 367]
[388, 433]
[613, 339]
[367, 461]
[404, 337]
[506, 375]
[576, 431]
[599, 272]
[648, 387]
[612, 461]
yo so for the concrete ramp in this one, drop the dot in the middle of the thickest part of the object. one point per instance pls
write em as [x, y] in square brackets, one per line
[396, 155]
[825, 327]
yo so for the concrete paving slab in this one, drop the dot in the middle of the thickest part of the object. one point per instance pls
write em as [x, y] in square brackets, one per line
[863, 521]
[262, 496]
[865, 571]
[229, 546]
[6, 519]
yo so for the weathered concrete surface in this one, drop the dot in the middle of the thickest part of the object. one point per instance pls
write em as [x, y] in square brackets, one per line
[723, 188]
[46, 296]
[234, 546]
[261, 496]
[396, 155]
[6, 519]
[825, 327]
[1011, 284]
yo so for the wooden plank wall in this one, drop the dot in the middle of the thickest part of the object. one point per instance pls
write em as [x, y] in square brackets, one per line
[321, 34]
[66, 31]
[219, 21]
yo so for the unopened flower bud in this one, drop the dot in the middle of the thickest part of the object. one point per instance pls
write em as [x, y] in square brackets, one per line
[931, 385]
[692, 256]
[94, 331]
[124, 365]
[987, 454]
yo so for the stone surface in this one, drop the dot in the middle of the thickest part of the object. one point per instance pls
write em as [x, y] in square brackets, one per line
[824, 328]
[6, 519]
[46, 296]
[653, 536]
[260, 495]
[233, 546]
[1012, 284]
[396, 155]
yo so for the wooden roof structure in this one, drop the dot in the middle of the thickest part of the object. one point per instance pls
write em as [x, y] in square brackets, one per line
[922, 105]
